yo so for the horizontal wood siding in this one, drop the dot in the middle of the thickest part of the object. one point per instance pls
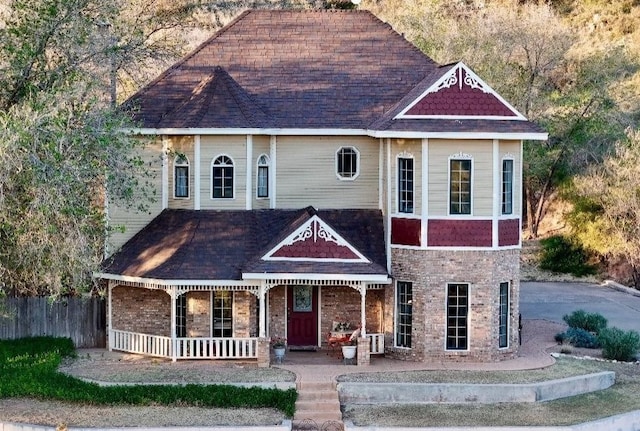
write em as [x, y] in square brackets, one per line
[81, 319]
[306, 173]
[513, 148]
[125, 223]
[234, 147]
[412, 147]
[181, 145]
[482, 188]
[260, 146]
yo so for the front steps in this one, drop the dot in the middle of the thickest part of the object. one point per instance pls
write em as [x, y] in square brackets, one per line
[317, 401]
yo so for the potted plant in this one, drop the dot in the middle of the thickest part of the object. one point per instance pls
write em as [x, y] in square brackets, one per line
[279, 345]
[349, 349]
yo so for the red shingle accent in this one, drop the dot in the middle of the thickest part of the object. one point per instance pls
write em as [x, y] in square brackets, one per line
[318, 249]
[509, 232]
[405, 231]
[459, 233]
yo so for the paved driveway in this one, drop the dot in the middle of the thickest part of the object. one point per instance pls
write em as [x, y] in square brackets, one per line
[552, 300]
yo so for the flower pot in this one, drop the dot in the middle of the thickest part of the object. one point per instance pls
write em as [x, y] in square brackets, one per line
[279, 353]
[349, 352]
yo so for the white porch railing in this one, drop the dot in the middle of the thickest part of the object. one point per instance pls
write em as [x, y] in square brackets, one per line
[377, 343]
[184, 348]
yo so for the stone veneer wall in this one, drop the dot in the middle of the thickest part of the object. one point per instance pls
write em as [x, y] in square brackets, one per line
[430, 271]
[141, 310]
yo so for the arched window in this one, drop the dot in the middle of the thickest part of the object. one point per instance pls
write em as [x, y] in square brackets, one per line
[222, 177]
[262, 178]
[181, 176]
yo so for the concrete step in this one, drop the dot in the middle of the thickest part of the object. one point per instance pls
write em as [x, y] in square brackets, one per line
[315, 406]
[316, 386]
[317, 396]
[319, 418]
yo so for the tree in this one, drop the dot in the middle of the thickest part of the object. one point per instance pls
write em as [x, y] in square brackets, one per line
[609, 217]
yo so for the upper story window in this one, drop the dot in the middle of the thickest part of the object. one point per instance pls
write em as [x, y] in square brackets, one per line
[222, 177]
[405, 185]
[181, 176]
[262, 178]
[507, 186]
[347, 163]
[459, 186]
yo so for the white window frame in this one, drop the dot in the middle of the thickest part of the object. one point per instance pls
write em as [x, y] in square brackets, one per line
[396, 323]
[212, 308]
[467, 318]
[177, 164]
[502, 185]
[355, 174]
[263, 161]
[233, 176]
[407, 156]
[506, 313]
[181, 314]
[455, 157]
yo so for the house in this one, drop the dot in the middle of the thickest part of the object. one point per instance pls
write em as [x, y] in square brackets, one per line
[314, 167]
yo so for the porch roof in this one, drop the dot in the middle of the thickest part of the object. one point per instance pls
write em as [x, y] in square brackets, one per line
[224, 245]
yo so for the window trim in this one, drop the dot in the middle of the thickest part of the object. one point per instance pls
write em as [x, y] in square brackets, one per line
[262, 164]
[405, 156]
[356, 174]
[177, 165]
[181, 315]
[460, 157]
[446, 327]
[502, 185]
[213, 307]
[233, 176]
[396, 323]
[507, 306]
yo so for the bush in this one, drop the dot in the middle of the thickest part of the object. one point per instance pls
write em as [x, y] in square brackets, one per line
[618, 344]
[561, 254]
[578, 337]
[590, 322]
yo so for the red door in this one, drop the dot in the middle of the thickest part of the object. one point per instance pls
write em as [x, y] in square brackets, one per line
[302, 315]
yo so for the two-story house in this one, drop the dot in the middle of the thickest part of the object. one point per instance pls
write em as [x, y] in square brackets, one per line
[314, 167]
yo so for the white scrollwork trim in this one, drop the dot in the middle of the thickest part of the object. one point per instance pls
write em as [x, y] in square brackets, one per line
[508, 156]
[405, 155]
[326, 235]
[461, 155]
[302, 236]
[474, 83]
[449, 81]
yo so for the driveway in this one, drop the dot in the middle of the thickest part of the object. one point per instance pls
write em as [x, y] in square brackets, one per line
[552, 300]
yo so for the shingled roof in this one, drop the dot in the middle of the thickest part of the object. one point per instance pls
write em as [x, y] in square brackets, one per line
[301, 69]
[222, 245]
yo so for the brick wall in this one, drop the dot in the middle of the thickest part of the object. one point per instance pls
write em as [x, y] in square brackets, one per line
[141, 310]
[198, 314]
[430, 271]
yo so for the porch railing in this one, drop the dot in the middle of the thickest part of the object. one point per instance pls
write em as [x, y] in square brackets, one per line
[377, 343]
[184, 348]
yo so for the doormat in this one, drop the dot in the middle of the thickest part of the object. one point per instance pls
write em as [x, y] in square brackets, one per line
[303, 348]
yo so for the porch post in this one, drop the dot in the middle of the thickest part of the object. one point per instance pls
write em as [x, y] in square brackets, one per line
[174, 353]
[110, 284]
[363, 314]
[262, 294]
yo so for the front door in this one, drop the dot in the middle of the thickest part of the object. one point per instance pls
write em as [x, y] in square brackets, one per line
[302, 315]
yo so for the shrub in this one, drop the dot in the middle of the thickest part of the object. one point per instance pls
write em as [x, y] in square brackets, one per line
[618, 344]
[590, 322]
[578, 337]
[561, 254]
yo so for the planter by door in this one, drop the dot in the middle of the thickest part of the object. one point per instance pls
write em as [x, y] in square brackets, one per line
[279, 353]
[349, 352]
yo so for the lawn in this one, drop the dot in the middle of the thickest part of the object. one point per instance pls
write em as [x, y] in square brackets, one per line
[29, 370]
[620, 398]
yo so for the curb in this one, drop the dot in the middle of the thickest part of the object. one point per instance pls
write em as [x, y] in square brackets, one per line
[621, 288]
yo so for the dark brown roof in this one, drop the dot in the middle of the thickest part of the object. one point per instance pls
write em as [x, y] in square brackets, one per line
[221, 245]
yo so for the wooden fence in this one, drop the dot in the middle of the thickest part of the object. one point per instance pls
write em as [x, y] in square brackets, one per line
[81, 319]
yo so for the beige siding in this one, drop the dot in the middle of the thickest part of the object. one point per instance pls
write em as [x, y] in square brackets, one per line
[234, 147]
[407, 148]
[513, 149]
[482, 174]
[260, 146]
[306, 173]
[127, 222]
[182, 145]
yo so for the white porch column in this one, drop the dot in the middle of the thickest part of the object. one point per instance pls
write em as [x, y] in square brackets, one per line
[363, 313]
[110, 314]
[262, 294]
[174, 352]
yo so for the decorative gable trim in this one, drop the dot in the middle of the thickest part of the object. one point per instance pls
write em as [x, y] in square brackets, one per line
[317, 242]
[474, 99]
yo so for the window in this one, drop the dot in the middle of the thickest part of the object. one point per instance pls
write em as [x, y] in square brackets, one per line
[403, 313]
[457, 310]
[405, 185]
[181, 315]
[221, 313]
[262, 186]
[347, 163]
[181, 176]
[507, 186]
[222, 178]
[460, 186]
[503, 316]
